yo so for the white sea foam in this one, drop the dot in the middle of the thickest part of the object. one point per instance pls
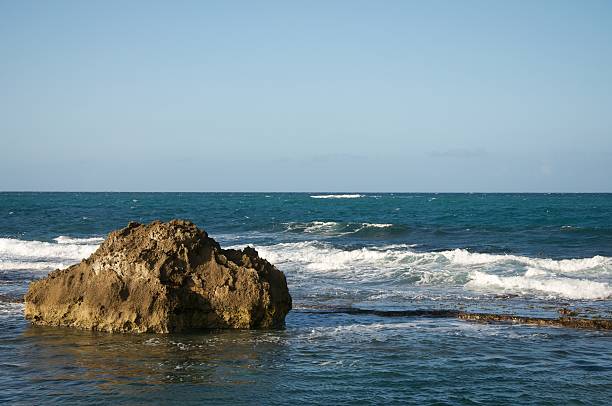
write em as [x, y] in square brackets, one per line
[587, 278]
[333, 228]
[62, 239]
[346, 196]
[394, 247]
[377, 225]
[32, 266]
[40, 255]
[316, 226]
[13, 248]
[464, 257]
[10, 310]
[543, 283]
[323, 257]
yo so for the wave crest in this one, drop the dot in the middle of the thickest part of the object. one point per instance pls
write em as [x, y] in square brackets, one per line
[62, 239]
[585, 278]
[543, 283]
[333, 228]
[40, 255]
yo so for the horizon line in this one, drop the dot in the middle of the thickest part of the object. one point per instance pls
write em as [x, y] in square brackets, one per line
[304, 192]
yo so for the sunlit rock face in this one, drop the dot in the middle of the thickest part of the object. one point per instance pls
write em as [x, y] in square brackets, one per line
[161, 278]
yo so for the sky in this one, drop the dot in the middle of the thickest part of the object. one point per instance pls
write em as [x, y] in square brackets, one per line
[398, 96]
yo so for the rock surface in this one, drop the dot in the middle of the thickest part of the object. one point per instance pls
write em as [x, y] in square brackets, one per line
[162, 277]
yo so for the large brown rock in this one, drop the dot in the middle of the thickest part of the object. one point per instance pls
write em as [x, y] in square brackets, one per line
[162, 277]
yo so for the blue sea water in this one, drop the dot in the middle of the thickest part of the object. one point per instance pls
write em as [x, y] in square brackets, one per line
[528, 254]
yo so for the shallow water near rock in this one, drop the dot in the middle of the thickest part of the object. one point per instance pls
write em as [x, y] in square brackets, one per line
[316, 359]
[513, 254]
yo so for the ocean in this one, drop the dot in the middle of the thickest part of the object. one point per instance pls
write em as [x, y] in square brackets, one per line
[523, 254]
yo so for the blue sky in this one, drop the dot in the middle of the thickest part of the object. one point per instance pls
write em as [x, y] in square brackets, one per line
[306, 96]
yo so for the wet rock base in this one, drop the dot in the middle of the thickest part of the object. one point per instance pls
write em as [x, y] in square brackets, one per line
[565, 321]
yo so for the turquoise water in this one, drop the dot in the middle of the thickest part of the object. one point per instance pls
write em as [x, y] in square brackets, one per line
[510, 253]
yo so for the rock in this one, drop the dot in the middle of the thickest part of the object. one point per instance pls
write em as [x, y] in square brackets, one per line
[568, 322]
[162, 277]
[567, 312]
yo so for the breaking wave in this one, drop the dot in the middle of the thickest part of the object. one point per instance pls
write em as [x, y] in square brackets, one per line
[39, 255]
[545, 283]
[585, 278]
[333, 228]
[62, 239]
[32, 266]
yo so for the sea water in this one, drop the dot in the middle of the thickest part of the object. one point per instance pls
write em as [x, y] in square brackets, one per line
[526, 254]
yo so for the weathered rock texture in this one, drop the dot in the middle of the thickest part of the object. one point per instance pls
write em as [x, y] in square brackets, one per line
[162, 277]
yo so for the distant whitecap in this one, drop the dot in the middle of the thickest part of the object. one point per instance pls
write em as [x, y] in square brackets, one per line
[347, 196]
